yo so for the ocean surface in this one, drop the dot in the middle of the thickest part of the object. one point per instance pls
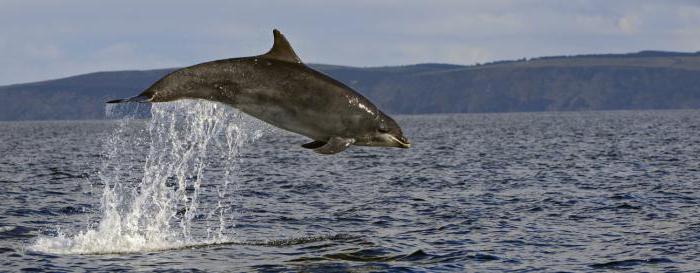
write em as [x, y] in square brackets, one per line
[200, 187]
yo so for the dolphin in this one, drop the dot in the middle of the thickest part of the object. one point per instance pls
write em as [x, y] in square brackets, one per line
[278, 88]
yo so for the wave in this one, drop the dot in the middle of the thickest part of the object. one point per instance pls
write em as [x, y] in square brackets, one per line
[90, 243]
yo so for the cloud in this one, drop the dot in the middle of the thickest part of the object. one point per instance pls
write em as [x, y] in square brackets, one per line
[47, 39]
[627, 24]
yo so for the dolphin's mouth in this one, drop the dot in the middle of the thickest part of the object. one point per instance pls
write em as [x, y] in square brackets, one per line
[401, 141]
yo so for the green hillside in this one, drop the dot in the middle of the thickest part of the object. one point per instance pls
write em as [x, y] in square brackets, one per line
[644, 80]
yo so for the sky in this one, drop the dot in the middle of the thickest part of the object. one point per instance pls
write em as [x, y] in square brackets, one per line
[42, 40]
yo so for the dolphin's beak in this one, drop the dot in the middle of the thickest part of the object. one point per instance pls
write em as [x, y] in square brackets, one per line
[401, 142]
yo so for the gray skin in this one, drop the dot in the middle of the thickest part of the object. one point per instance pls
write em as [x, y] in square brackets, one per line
[279, 89]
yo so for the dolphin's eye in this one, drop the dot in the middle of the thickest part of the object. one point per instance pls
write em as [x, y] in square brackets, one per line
[383, 129]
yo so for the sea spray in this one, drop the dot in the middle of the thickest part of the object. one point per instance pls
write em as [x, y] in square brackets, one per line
[153, 179]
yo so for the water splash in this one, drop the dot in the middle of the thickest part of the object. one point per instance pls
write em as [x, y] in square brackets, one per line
[184, 195]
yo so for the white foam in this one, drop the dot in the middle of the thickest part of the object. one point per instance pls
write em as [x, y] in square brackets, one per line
[158, 212]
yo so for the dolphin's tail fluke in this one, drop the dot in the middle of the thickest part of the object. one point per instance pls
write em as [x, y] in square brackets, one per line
[139, 98]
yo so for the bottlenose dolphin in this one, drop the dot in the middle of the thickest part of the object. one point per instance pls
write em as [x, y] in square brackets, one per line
[279, 89]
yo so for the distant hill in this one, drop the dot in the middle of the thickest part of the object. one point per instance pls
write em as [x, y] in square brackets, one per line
[643, 80]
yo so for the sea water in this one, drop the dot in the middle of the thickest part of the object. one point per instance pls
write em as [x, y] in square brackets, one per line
[200, 187]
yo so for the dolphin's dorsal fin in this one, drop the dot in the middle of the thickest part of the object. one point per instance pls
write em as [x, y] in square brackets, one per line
[281, 50]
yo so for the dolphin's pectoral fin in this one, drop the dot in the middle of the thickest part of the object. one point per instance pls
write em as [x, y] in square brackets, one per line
[314, 144]
[335, 145]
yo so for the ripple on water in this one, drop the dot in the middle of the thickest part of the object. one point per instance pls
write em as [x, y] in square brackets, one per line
[631, 263]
